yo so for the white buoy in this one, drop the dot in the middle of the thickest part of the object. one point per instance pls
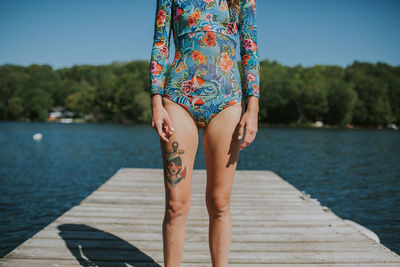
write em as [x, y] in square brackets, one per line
[37, 136]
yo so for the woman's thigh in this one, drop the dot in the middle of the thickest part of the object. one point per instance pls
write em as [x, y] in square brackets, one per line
[221, 148]
[179, 153]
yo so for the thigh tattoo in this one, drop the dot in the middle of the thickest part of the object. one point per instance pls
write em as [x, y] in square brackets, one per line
[175, 172]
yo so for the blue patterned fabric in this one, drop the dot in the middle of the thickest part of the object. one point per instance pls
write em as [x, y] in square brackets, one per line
[204, 77]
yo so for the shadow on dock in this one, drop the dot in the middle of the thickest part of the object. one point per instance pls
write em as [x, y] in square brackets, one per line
[94, 247]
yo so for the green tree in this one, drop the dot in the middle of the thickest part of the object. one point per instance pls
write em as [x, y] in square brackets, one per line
[341, 101]
[372, 106]
[15, 108]
[312, 100]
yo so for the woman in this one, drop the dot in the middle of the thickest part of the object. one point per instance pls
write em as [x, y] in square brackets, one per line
[203, 90]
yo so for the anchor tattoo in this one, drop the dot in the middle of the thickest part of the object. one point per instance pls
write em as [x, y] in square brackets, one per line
[174, 165]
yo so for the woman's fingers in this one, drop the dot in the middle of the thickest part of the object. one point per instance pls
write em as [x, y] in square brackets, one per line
[249, 126]
[241, 129]
[162, 123]
[249, 136]
[246, 141]
[159, 126]
[170, 127]
[163, 126]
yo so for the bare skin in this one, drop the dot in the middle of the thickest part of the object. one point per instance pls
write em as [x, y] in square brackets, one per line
[222, 141]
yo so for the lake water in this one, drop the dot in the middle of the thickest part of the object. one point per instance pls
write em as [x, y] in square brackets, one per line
[356, 173]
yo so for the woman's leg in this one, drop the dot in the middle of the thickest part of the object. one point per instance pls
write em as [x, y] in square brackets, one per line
[178, 159]
[221, 149]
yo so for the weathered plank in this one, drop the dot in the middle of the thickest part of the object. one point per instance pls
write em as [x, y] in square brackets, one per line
[274, 224]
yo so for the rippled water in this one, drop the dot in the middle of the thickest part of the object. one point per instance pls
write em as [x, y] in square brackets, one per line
[356, 173]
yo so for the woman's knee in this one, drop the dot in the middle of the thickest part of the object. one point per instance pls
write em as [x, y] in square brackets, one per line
[218, 206]
[177, 208]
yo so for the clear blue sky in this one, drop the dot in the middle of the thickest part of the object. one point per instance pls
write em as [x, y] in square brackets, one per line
[306, 32]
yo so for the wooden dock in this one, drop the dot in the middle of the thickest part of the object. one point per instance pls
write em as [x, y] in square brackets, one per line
[274, 224]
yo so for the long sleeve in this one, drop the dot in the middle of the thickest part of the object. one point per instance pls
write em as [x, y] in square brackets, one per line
[248, 47]
[160, 50]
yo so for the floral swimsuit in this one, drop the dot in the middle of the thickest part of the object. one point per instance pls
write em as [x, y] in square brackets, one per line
[204, 77]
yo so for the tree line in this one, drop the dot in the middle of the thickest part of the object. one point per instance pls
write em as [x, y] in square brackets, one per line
[362, 94]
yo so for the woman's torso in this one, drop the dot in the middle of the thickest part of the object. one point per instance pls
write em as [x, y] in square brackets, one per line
[204, 71]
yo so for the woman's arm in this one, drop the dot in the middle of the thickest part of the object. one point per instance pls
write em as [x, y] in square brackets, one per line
[158, 68]
[160, 50]
[251, 68]
[248, 47]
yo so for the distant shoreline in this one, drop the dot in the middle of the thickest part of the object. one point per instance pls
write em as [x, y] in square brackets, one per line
[260, 125]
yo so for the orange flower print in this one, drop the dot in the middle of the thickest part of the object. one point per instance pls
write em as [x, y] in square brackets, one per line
[199, 57]
[226, 62]
[177, 55]
[196, 55]
[223, 6]
[245, 59]
[155, 68]
[202, 59]
[163, 49]
[160, 22]
[207, 28]
[225, 56]
[161, 17]
[181, 67]
[161, 13]
[210, 39]
[196, 14]
[192, 19]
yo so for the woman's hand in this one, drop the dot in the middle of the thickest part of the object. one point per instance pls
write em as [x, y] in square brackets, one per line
[160, 120]
[249, 122]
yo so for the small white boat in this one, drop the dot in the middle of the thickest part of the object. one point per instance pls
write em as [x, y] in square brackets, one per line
[66, 120]
[37, 136]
